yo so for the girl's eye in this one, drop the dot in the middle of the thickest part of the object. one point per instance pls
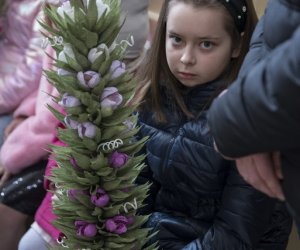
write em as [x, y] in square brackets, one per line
[206, 45]
[175, 39]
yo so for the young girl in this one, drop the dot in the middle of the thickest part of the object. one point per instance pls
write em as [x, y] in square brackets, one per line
[200, 201]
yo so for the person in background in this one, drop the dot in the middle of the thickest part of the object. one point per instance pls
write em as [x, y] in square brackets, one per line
[21, 58]
[256, 122]
[199, 201]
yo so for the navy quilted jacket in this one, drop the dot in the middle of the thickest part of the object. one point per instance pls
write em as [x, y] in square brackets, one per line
[199, 201]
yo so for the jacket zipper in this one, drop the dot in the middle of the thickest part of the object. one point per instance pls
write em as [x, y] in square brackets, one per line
[170, 146]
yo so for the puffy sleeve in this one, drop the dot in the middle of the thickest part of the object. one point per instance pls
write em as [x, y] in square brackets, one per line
[29, 142]
[21, 54]
[260, 111]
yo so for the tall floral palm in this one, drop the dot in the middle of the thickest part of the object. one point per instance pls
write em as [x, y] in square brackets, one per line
[97, 198]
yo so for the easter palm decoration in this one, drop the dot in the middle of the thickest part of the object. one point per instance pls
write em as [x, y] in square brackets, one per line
[97, 198]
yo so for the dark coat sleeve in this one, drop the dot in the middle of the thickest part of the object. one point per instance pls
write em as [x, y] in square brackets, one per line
[260, 111]
[243, 218]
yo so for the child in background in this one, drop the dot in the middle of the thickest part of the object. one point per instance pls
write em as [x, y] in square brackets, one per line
[20, 72]
[201, 202]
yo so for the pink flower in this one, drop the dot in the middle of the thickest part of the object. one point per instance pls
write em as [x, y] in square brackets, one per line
[117, 68]
[85, 229]
[118, 224]
[100, 199]
[88, 79]
[117, 160]
[111, 98]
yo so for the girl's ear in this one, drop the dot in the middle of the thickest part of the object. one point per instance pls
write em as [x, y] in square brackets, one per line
[237, 50]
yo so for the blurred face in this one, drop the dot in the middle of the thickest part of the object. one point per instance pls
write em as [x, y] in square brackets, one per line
[198, 48]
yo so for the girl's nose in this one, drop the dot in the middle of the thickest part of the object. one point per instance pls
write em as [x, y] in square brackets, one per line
[188, 57]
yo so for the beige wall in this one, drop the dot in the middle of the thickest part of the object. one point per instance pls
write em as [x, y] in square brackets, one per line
[259, 5]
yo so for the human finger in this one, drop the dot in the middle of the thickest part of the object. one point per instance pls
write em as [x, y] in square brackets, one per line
[266, 170]
[4, 178]
[247, 168]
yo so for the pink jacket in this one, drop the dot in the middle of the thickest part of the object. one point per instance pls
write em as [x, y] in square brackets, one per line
[29, 142]
[20, 53]
[44, 215]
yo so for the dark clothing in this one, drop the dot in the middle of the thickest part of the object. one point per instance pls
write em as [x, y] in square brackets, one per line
[201, 202]
[24, 192]
[260, 111]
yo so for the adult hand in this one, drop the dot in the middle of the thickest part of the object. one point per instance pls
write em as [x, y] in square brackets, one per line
[263, 172]
[12, 125]
[4, 175]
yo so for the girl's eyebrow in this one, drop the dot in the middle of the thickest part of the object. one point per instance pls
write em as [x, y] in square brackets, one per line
[170, 32]
[208, 38]
[215, 38]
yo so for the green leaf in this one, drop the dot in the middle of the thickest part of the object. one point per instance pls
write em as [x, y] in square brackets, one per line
[90, 144]
[91, 38]
[73, 63]
[92, 14]
[83, 161]
[56, 113]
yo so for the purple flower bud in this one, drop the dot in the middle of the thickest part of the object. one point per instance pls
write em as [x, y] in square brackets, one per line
[100, 199]
[88, 79]
[68, 101]
[70, 123]
[125, 190]
[94, 54]
[67, 9]
[62, 72]
[66, 51]
[74, 193]
[86, 129]
[118, 224]
[74, 163]
[53, 2]
[130, 220]
[117, 160]
[111, 98]
[129, 124]
[85, 229]
[117, 68]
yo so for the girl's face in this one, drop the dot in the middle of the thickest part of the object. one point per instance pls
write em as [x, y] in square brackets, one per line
[198, 48]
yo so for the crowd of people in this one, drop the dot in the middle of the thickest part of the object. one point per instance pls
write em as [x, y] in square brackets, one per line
[217, 94]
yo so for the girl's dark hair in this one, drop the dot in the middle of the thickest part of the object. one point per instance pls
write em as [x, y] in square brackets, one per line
[155, 69]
